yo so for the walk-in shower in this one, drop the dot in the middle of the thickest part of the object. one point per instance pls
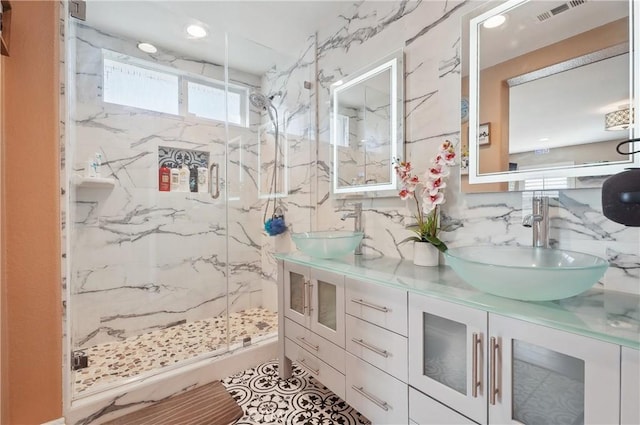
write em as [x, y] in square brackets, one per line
[160, 276]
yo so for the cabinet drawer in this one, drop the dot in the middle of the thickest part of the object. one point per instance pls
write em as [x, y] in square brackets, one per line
[380, 397]
[424, 410]
[315, 344]
[385, 307]
[322, 372]
[378, 346]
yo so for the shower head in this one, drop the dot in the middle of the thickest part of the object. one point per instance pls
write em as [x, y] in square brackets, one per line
[259, 100]
[263, 102]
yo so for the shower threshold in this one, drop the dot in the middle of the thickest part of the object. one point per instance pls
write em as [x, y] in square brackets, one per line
[113, 362]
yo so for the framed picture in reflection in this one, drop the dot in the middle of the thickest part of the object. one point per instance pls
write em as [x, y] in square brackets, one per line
[484, 134]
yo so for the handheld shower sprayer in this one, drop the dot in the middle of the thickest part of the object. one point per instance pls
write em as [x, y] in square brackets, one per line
[275, 225]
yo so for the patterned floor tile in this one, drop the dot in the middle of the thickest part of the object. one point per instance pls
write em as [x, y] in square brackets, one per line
[267, 399]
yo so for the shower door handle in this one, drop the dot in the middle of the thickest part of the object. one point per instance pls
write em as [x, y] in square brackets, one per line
[214, 194]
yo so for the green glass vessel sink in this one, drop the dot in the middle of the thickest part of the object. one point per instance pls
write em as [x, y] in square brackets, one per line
[327, 244]
[526, 273]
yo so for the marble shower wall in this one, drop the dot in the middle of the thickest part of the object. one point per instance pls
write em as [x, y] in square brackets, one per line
[142, 259]
[429, 32]
[293, 79]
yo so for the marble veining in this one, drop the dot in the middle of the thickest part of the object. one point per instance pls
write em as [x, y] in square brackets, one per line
[430, 34]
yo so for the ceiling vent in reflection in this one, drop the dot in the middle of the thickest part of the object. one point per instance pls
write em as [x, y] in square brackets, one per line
[559, 9]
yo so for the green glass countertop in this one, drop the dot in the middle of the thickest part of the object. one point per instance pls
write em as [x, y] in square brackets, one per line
[605, 315]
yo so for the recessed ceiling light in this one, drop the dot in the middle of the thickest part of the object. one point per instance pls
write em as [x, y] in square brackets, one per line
[196, 31]
[494, 21]
[147, 47]
[544, 139]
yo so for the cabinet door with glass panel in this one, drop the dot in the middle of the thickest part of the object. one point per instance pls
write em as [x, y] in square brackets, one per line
[446, 354]
[315, 299]
[539, 375]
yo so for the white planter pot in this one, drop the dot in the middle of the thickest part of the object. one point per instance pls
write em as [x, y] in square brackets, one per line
[425, 254]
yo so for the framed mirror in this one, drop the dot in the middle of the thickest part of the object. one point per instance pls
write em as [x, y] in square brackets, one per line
[367, 128]
[552, 89]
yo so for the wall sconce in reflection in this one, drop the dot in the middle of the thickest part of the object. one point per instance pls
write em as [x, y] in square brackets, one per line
[617, 120]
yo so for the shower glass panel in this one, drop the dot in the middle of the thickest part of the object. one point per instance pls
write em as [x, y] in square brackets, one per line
[148, 267]
[159, 278]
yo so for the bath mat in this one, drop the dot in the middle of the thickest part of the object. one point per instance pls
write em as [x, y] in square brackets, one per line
[210, 404]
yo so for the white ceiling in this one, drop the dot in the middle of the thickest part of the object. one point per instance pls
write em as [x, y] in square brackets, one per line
[258, 29]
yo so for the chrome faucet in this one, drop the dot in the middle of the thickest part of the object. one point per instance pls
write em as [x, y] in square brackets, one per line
[357, 222]
[538, 220]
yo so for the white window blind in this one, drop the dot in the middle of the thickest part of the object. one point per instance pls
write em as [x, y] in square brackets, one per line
[207, 101]
[135, 86]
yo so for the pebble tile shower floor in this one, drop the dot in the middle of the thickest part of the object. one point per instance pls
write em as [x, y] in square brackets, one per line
[112, 361]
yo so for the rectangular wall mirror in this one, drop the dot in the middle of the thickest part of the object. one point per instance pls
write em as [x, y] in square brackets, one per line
[552, 89]
[367, 128]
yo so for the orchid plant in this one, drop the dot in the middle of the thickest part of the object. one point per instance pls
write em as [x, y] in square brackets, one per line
[428, 195]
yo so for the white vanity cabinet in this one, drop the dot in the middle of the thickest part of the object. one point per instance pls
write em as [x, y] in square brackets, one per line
[376, 344]
[446, 354]
[413, 353]
[630, 386]
[495, 369]
[312, 323]
[315, 299]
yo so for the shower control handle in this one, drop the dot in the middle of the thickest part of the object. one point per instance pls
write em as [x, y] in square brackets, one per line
[214, 194]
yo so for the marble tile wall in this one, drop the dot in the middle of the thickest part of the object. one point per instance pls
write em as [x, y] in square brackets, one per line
[141, 259]
[297, 112]
[429, 32]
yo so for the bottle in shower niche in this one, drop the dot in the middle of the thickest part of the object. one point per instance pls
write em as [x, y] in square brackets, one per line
[193, 179]
[164, 179]
[203, 179]
[175, 179]
[184, 178]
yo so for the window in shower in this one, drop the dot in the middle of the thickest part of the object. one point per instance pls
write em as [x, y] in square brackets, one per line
[145, 85]
[207, 101]
[131, 85]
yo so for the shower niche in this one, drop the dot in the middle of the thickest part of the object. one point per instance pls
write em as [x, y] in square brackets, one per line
[182, 170]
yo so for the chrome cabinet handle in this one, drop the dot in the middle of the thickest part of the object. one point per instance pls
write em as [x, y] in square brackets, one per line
[215, 194]
[476, 381]
[308, 344]
[309, 294]
[305, 296]
[494, 385]
[381, 404]
[309, 368]
[373, 306]
[379, 351]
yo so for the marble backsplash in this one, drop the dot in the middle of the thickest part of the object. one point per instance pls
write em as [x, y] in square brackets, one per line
[429, 32]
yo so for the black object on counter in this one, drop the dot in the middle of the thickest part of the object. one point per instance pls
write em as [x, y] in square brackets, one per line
[621, 193]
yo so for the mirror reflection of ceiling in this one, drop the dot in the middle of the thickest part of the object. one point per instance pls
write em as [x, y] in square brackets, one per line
[372, 91]
[585, 94]
[526, 32]
[576, 115]
[282, 26]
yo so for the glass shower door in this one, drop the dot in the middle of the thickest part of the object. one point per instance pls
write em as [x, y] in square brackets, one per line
[148, 251]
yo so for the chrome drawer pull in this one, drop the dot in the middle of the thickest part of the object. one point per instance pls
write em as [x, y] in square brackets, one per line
[379, 351]
[381, 404]
[307, 343]
[373, 306]
[494, 377]
[309, 368]
[476, 382]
